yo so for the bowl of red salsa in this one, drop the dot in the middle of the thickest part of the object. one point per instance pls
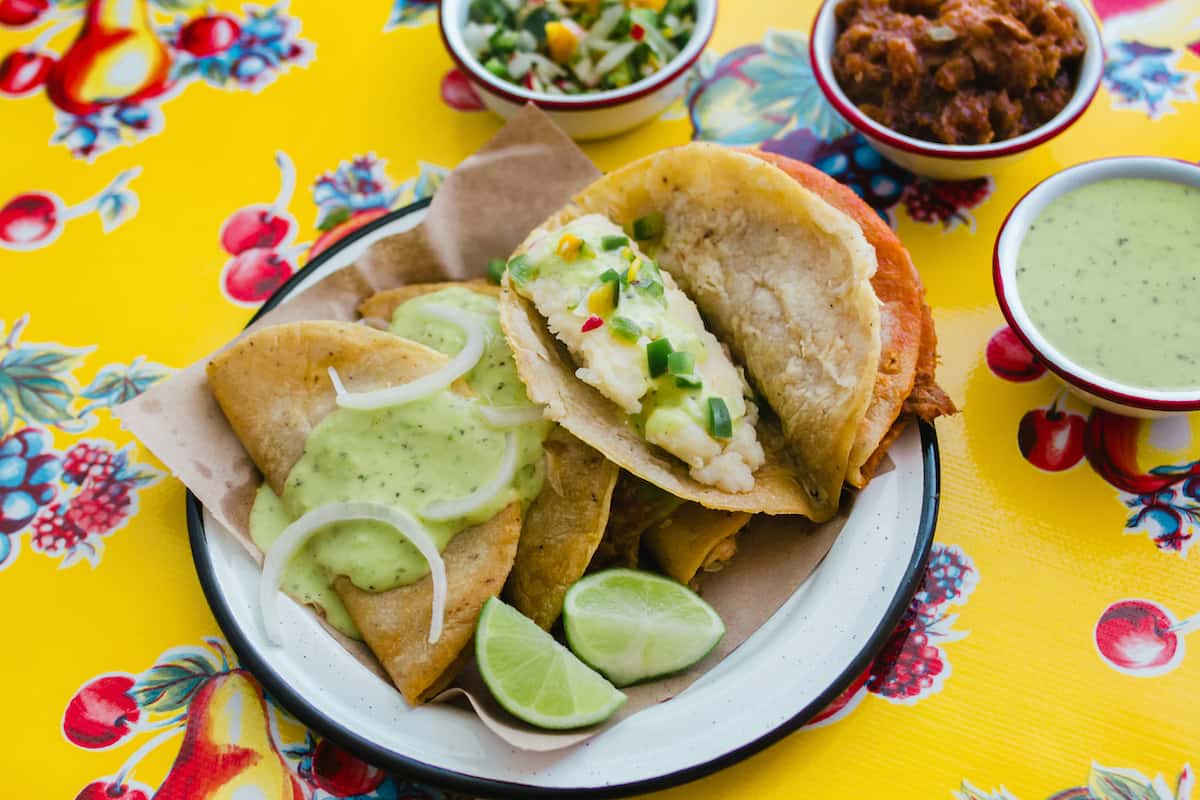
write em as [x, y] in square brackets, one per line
[952, 88]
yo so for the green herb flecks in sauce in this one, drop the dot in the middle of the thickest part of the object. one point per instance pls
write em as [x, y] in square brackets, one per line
[1108, 274]
[407, 456]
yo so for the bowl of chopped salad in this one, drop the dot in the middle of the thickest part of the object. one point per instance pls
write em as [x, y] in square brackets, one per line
[597, 67]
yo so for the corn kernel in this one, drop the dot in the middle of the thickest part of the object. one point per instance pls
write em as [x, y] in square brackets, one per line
[632, 274]
[561, 42]
[600, 299]
[654, 5]
[568, 246]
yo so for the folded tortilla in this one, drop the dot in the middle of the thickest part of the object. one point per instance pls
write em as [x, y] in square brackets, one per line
[273, 386]
[563, 526]
[780, 276]
[694, 539]
[898, 287]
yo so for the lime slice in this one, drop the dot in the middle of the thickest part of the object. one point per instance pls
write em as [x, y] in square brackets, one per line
[535, 678]
[633, 626]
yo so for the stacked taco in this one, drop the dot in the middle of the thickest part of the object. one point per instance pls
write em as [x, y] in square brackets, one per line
[700, 337]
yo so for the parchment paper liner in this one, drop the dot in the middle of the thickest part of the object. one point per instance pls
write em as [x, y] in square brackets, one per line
[483, 210]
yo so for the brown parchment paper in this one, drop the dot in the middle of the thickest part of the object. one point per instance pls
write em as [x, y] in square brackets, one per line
[483, 210]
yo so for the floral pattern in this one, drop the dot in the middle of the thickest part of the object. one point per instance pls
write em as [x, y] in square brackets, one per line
[1104, 783]
[260, 239]
[234, 736]
[410, 13]
[1147, 78]
[912, 664]
[1163, 502]
[765, 95]
[126, 59]
[35, 219]
[68, 503]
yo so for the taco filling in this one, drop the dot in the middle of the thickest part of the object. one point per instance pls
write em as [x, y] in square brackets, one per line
[641, 343]
[422, 456]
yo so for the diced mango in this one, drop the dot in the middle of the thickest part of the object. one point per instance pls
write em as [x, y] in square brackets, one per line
[654, 5]
[568, 246]
[561, 41]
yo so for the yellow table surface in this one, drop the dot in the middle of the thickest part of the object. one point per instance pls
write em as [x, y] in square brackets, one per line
[1015, 675]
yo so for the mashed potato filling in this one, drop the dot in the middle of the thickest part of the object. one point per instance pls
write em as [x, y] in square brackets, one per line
[641, 343]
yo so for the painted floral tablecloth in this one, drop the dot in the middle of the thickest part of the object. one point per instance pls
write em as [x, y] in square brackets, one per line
[1044, 656]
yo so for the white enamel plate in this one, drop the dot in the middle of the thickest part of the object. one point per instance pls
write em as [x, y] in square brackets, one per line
[801, 659]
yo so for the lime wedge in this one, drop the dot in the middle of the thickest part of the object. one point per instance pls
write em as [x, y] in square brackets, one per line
[535, 678]
[633, 626]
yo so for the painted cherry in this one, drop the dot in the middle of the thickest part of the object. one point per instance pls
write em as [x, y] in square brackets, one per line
[101, 713]
[342, 774]
[1051, 439]
[260, 225]
[1008, 358]
[17, 13]
[30, 218]
[209, 35]
[1138, 636]
[251, 277]
[458, 93]
[109, 789]
[23, 72]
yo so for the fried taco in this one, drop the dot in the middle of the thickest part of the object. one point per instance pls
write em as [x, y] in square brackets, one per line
[904, 381]
[694, 539]
[634, 311]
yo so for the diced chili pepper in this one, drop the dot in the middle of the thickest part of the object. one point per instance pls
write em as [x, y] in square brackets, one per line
[681, 363]
[649, 226]
[591, 323]
[656, 356]
[613, 242]
[637, 32]
[625, 329]
[719, 423]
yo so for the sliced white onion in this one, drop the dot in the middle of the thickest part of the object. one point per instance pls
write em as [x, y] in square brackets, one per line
[462, 506]
[294, 536]
[510, 416]
[519, 64]
[584, 70]
[476, 36]
[526, 40]
[608, 20]
[614, 57]
[546, 68]
[426, 385]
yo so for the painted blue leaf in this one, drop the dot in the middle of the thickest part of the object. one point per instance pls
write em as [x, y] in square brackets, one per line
[1105, 783]
[169, 685]
[118, 383]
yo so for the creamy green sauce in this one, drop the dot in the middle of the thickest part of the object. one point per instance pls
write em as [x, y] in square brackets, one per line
[406, 456]
[1108, 273]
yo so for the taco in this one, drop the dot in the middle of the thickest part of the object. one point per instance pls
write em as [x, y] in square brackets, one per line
[275, 389]
[708, 238]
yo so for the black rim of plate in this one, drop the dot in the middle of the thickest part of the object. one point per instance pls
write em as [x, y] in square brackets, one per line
[409, 768]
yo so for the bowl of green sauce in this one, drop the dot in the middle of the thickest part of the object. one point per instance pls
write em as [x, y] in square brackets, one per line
[1097, 271]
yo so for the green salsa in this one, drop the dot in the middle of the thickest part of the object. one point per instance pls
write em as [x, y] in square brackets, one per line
[1108, 274]
[407, 456]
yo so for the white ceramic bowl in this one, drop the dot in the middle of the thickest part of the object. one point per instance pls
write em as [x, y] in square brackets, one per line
[1093, 388]
[944, 161]
[587, 116]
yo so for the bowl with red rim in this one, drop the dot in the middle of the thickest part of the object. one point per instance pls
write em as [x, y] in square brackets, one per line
[593, 115]
[1094, 388]
[946, 161]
